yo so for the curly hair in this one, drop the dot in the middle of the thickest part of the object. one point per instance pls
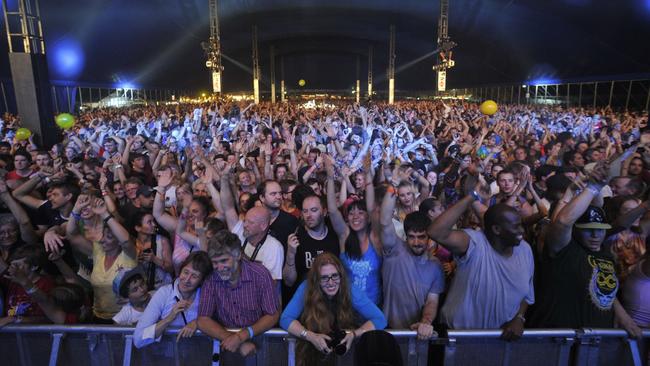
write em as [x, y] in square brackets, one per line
[321, 314]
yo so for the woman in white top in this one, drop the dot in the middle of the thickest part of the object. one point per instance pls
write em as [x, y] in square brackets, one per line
[175, 304]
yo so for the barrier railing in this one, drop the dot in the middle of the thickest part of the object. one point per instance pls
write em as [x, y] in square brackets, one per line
[27, 345]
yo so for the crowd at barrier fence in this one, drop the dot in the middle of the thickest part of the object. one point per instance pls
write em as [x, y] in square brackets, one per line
[328, 216]
[108, 345]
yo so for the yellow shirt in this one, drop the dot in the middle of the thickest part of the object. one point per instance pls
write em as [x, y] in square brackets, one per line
[105, 300]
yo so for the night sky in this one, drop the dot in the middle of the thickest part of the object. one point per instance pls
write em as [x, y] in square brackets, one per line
[156, 43]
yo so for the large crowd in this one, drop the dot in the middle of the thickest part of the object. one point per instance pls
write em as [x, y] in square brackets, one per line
[330, 220]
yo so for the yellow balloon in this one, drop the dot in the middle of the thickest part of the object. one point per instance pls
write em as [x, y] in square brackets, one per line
[23, 134]
[489, 107]
[302, 82]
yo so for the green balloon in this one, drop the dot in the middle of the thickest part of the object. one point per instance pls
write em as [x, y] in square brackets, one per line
[65, 121]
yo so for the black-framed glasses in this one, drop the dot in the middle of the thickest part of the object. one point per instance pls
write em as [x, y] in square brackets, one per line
[335, 277]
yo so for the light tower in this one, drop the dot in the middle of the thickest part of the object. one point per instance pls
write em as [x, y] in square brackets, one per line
[391, 66]
[369, 72]
[29, 72]
[445, 44]
[358, 85]
[256, 68]
[213, 48]
[283, 90]
[272, 74]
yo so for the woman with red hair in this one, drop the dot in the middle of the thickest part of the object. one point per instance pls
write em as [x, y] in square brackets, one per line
[322, 309]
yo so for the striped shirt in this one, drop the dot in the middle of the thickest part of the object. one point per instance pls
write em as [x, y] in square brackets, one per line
[244, 304]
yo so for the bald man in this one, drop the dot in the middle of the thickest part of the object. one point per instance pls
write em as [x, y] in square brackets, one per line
[493, 283]
[258, 244]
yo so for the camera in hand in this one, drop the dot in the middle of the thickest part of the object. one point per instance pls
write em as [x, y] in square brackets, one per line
[335, 344]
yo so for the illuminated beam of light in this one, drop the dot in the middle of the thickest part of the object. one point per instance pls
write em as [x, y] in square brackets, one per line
[246, 68]
[161, 59]
[407, 65]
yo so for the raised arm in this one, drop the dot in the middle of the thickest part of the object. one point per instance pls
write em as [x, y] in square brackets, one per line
[120, 233]
[22, 192]
[559, 232]
[338, 223]
[227, 201]
[388, 235]
[27, 233]
[440, 230]
[167, 221]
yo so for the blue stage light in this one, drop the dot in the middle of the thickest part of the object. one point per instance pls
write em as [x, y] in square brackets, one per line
[66, 58]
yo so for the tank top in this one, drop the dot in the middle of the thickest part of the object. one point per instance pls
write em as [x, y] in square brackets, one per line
[365, 273]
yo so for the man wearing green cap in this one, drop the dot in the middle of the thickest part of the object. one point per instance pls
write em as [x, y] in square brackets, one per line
[578, 282]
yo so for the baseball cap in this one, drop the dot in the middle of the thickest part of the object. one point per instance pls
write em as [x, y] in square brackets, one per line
[145, 191]
[122, 279]
[593, 218]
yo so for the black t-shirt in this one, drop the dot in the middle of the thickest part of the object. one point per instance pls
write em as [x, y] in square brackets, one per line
[577, 289]
[284, 225]
[48, 216]
[310, 248]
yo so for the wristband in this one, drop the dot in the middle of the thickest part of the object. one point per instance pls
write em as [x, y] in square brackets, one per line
[595, 190]
[391, 190]
[476, 196]
[521, 317]
[251, 334]
[303, 334]
[106, 220]
[47, 180]
[76, 216]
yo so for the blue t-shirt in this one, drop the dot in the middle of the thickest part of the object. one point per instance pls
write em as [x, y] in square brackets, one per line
[365, 273]
[360, 303]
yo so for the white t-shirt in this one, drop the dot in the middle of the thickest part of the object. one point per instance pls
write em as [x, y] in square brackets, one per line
[127, 316]
[271, 254]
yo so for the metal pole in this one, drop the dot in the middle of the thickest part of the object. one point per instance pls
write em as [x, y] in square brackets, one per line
[272, 52]
[369, 72]
[519, 96]
[647, 100]
[4, 97]
[568, 98]
[391, 65]
[611, 92]
[580, 96]
[595, 93]
[629, 92]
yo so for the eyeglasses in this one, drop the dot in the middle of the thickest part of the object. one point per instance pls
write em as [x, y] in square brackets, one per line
[8, 232]
[335, 277]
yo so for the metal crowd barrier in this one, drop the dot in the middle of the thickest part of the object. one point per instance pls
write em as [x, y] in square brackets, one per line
[52, 345]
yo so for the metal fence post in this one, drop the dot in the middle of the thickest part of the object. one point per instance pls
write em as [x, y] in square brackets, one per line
[595, 93]
[634, 350]
[128, 348]
[611, 93]
[54, 350]
[565, 351]
[291, 351]
[450, 352]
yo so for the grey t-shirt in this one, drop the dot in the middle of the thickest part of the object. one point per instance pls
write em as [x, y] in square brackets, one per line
[488, 288]
[407, 281]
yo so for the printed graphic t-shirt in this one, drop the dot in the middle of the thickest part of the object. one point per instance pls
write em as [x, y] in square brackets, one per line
[577, 289]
